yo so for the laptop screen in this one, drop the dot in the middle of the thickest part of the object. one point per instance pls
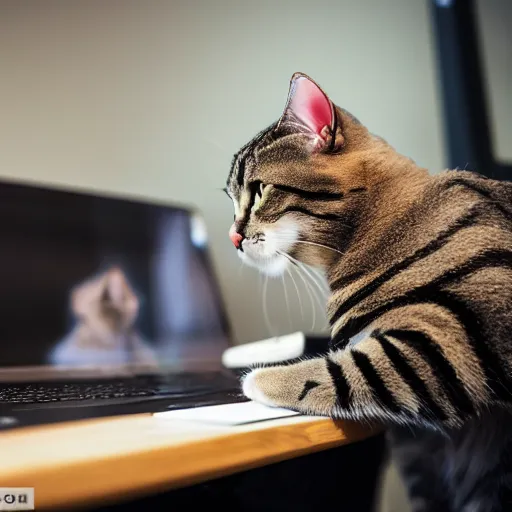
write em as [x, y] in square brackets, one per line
[95, 283]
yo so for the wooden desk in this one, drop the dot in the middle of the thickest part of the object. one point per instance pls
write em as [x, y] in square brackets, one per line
[97, 461]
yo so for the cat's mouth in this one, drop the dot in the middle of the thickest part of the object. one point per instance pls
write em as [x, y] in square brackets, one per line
[268, 251]
[271, 264]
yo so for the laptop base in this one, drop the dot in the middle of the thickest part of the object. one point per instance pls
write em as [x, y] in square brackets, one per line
[12, 417]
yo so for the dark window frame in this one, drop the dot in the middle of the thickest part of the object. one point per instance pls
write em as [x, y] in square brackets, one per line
[466, 117]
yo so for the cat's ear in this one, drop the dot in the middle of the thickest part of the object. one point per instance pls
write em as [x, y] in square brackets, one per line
[309, 111]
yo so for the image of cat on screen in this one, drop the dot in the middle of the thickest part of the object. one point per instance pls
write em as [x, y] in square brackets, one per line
[105, 308]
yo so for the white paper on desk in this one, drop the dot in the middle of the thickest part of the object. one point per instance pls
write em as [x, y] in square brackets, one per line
[228, 414]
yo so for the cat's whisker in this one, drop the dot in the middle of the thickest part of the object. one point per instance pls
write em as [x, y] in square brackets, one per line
[265, 308]
[286, 301]
[297, 290]
[322, 280]
[315, 287]
[292, 241]
[319, 245]
[307, 286]
[312, 301]
[315, 279]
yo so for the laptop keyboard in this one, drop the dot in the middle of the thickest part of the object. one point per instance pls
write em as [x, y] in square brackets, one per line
[147, 386]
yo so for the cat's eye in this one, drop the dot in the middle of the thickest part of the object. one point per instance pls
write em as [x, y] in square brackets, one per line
[257, 188]
[256, 202]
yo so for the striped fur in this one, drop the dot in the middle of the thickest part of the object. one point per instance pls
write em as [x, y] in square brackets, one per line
[420, 270]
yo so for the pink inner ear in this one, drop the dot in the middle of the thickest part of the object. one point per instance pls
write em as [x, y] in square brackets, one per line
[310, 105]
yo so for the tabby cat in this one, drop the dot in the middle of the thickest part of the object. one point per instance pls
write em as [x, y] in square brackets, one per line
[420, 273]
[106, 309]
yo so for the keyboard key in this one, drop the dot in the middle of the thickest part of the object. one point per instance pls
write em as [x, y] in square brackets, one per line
[115, 388]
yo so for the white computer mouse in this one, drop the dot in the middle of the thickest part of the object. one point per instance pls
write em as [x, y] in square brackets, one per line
[274, 350]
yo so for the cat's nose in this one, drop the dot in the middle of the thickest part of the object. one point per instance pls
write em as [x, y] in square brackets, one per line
[235, 236]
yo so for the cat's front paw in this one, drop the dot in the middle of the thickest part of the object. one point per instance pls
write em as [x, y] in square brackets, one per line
[305, 387]
[253, 385]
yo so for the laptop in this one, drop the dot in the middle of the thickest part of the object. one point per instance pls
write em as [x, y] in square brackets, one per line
[108, 306]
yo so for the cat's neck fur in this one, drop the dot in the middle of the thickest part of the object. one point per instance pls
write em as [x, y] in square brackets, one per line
[392, 184]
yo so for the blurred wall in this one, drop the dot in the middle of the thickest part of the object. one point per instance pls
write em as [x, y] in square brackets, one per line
[152, 98]
[494, 19]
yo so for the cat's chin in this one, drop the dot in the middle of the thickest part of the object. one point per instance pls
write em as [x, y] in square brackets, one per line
[273, 266]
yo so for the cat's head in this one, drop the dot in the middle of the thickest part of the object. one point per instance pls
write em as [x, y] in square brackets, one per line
[299, 184]
[106, 304]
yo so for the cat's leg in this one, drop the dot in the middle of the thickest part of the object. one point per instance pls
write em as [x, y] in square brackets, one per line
[492, 494]
[424, 495]
[406, 369]
[356, 383]
[420, 457]
[482, 468]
